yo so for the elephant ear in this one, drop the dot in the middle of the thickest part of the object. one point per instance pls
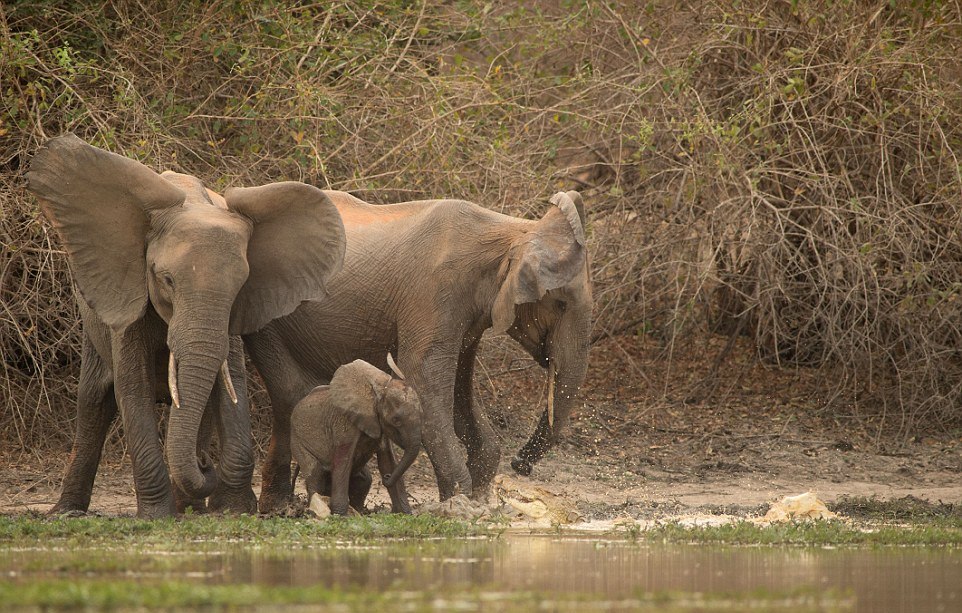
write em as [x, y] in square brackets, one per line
[546, 258]
[296, 245]
[354, 392]
[98, 202]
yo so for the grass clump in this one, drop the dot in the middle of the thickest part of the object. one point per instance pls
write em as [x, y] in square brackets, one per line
[122, 595]
[130, 595]
[940, 532]
[185, 532]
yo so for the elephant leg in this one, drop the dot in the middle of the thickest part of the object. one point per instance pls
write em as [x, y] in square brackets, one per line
[472, 425]
[205, 434]
[236, 463]
[286, 385]
[96, 410]
[321, 483]
[359, 487]
[341, 465]
[387, 464]
[433, 377]
[133, 389]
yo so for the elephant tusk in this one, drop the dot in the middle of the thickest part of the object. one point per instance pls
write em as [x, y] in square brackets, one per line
[225, 375]
[394, 366]
[551, 374]
[172, 381]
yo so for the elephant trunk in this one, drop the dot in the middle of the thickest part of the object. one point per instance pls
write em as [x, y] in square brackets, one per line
[567, 366]
[197, 362]
[410, 454]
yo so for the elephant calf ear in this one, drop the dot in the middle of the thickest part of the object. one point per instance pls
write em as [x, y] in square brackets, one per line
[352, 391]
[98, 202]
[296, 245]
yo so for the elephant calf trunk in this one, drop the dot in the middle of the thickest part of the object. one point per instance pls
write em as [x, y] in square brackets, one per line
[410, 455]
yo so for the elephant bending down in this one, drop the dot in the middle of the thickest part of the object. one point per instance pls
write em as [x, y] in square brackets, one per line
[424, 280]
[166, 271]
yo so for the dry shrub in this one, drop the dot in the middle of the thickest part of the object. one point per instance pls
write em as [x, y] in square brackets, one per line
[835, 132]
[780, 169]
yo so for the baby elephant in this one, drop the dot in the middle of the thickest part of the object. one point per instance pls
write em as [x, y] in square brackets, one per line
[336, 429]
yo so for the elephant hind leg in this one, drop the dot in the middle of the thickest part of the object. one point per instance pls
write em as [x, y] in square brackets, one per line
[359, 487]
[473, 427]
[286, 384]
[96, 411]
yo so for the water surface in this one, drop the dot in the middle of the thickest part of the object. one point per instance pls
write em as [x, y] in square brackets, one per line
[561, 568]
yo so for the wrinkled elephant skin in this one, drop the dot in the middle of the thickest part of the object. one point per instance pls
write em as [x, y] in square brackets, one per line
[337, 428]
[424, 280]
[166, 272]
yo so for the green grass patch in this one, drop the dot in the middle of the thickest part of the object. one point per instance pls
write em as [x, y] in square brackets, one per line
[130, 595]
[32, 531]
[940, 531]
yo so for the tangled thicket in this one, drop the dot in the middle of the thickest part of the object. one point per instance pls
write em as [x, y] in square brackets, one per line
[782, 169]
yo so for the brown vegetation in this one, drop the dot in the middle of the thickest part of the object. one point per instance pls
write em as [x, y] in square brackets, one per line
[785, 170]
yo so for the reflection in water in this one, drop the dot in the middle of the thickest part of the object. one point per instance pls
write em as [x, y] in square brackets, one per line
[887, 578]
[879, 579]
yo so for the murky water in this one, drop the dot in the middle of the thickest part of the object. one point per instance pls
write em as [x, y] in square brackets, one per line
[865, 579]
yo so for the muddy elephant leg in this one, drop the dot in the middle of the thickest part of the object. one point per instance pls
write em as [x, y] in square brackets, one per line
[472, 425]
[387, 464]
[286, 385]
[235, 467]
[96, 410]
[359, 487]
[433, 377]
[133, 389]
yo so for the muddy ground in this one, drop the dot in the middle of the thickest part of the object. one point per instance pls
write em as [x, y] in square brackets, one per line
[652, 440]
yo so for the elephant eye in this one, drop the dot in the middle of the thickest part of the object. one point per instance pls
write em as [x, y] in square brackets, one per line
[167, 279]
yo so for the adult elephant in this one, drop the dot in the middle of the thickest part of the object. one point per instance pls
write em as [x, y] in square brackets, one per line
[424, 280]
[165, 272]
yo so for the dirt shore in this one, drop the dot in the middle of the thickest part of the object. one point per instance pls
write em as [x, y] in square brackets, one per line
[648, 442]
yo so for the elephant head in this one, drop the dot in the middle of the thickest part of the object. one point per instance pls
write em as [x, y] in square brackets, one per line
[209, 266]
[380, 405]
[545, 304]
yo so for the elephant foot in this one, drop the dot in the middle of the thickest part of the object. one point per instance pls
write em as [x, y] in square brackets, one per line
[273, 501]
[68, 508]
[482, 492]
[240, 500]
[155, 511]
[521, 466]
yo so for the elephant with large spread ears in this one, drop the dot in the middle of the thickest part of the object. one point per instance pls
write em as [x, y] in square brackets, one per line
[424, 280]
[168, 274]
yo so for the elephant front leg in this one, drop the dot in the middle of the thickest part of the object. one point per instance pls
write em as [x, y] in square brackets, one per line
[236, 463]
[436, 391]
[341, 465]
[472, 425]
[96, 410]
[133, 389]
